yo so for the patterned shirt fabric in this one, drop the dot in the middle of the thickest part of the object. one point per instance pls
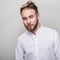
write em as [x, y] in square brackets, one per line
[45, 45]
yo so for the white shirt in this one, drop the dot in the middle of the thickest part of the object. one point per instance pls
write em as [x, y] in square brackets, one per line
[45, 45]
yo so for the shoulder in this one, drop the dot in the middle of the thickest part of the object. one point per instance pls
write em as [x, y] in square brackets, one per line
[23, 36]
[22, 39]
[51, 33]
[46, 31]
[49, 30]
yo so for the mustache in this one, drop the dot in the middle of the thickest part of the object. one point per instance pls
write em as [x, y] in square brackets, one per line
[30, 24]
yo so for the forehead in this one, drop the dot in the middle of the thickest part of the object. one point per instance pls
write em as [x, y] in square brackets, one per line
[27, 12]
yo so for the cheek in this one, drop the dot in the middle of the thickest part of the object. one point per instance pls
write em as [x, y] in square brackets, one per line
[24, 22]
[34, 20]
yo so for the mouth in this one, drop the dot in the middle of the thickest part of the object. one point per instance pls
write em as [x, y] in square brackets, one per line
[30, 26]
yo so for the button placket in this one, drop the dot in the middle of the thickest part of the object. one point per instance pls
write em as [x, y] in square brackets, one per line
[36, 46]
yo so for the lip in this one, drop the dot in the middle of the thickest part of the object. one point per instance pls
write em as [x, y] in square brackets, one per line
[30, 25]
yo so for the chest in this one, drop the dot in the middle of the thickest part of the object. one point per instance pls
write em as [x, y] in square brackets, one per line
[42, 43]
[40, 46]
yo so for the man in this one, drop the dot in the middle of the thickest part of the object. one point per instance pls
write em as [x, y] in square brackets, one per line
[38, 42]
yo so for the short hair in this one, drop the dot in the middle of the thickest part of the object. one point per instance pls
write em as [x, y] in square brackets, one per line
[29, 4]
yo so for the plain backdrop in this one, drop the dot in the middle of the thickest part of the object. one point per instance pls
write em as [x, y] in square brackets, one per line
[11, 25]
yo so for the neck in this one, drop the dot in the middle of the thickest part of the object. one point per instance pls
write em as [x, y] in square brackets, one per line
[38, 26]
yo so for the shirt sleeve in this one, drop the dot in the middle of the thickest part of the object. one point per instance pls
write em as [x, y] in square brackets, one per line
[19, 51]
[57, 46]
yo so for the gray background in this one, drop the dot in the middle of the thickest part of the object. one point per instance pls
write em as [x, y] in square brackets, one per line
[11, 25]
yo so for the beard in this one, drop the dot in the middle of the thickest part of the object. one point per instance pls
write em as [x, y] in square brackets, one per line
[31, 27]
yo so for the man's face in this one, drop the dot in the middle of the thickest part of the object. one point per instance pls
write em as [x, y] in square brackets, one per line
[30, 19]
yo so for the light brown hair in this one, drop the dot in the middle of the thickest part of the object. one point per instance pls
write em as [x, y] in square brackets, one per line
[29, 5]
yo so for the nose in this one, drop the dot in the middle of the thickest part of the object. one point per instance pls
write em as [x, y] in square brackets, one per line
[28, 21]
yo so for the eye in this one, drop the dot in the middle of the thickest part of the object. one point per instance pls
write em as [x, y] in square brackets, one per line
[24, 18]
[31, 16]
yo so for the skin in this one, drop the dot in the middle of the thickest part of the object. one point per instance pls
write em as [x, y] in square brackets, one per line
[30, 19]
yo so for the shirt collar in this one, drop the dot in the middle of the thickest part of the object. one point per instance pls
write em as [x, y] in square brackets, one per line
[39, 30]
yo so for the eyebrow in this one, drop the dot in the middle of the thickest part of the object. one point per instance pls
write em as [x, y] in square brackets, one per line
[24, 18]
[28, 16]
[31, 15]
